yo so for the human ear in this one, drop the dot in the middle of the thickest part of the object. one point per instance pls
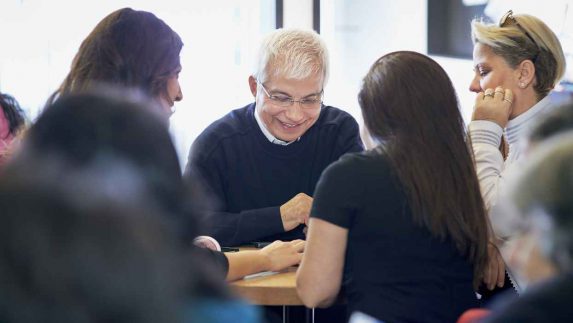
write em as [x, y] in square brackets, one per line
[253, 85]
[526, 70]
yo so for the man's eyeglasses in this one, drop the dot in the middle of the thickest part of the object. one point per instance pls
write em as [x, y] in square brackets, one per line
[508, 19]
[312, 102]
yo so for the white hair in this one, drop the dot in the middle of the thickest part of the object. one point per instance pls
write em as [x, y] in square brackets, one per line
[292, 53]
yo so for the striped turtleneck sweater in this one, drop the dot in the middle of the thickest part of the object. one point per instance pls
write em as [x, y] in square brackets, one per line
[486, 138]
[492, 170]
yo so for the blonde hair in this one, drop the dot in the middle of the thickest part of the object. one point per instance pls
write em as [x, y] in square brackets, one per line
[292, 53]
[513, 44]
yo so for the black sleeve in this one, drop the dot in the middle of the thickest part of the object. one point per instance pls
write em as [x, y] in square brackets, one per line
[337, 194]
[215, 259]
[230, 229]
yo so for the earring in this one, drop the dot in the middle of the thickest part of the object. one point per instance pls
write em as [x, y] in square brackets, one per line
[522, 85]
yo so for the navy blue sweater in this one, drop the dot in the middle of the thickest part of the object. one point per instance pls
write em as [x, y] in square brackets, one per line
[250, 178]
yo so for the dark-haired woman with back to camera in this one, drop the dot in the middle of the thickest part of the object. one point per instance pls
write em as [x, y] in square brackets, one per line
[403, 226]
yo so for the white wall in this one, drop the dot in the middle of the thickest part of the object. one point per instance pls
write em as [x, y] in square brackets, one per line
[359, 32]
[297, 14]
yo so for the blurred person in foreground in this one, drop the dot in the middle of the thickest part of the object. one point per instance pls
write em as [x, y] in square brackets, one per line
[74, 248]
[542, 248]
[99, 129]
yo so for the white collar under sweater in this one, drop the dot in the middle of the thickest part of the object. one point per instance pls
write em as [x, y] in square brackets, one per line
[517, 129]
[268, 134]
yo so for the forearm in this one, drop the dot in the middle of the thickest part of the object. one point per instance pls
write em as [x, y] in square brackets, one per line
[310, 292]
[486, 137]
[245, 263]
[319, 276]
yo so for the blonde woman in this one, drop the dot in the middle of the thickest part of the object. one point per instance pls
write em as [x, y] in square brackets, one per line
[517, 63]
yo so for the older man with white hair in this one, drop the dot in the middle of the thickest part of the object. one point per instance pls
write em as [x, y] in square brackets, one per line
[261, 162]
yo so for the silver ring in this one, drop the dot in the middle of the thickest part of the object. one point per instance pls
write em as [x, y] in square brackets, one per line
[488, 94]
[508, 100]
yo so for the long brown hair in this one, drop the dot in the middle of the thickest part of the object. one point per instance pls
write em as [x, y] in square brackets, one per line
[131, 48]
[410, 106]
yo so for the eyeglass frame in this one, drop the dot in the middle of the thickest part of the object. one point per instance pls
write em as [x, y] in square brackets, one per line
[509, 15]
[289, 101]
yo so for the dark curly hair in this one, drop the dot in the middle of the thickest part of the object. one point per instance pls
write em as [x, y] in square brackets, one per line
[13, 112]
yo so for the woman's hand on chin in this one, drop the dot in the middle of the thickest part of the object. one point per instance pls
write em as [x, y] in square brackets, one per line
[494, 105]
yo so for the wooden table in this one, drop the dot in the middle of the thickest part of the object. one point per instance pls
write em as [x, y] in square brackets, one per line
[272, 289]
[269, 288]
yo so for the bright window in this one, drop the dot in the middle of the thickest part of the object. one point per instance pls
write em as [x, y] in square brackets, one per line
[40, 38]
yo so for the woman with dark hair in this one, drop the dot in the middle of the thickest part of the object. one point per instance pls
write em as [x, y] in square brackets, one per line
[12, 121]
[404, 223]
[134, 49]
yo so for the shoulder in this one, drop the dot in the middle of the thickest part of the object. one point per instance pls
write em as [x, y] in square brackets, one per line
[338, 130]
[359, 165]
[331, 116]
[235, 124]
[236, 121]
[369, 159]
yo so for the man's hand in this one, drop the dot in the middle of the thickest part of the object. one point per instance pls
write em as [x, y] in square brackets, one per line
[296, 211]
[280, 254]
[494, 106]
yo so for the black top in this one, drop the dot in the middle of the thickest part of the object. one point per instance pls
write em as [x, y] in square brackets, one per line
[394, 270]
[250, 177]
[548, 302]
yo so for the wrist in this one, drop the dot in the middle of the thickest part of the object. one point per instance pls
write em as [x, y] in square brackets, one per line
[485, 132]
[284, 220]
[497, 121]
[264, 260]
